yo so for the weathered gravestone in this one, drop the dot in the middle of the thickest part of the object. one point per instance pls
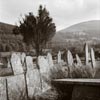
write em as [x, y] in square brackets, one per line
[16, 87]
[50, 60]
[86, 54]
[59, 57]
[16, 64]
[29, 63]
[69, 58]
[9, 64]
[32, 77]
[79, 63]
[93, 58]
[3, 92]
[43, 64]
[33, 82]
[45, 72]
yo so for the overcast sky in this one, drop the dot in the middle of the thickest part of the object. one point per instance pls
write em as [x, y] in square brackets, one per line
[64, 12]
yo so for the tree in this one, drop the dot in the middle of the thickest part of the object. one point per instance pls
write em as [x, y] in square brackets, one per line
[37, 30]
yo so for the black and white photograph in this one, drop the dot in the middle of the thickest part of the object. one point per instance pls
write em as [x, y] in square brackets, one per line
[49, 49]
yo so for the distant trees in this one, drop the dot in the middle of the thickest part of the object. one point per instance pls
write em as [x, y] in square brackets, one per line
[36, 30]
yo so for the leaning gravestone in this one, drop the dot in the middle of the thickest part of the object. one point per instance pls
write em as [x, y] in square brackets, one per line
[59, 57]
[93, 58]
[3, 92]
[16, 64]
[50, 60]
[16, 87]
[79, 63]
[86, 54]
[69, 58]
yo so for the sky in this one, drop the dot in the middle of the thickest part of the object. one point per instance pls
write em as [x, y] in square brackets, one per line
[63, 12]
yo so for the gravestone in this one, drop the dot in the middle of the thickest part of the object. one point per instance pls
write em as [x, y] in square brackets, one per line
[43, 64]
[69, 58]
[29, 63]
[45, 72]
[9, 64]
[16, 64]
[79, 63]
[59, 57]
[33, 82]
[3, 92]
[93, 58]
[86, 54]
[16, 87]
[50, 60]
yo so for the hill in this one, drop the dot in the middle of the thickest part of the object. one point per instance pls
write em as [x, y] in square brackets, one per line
[86, 31]
[9, 41]
[6, 28]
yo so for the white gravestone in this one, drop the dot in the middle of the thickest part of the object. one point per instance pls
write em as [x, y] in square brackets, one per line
[9, 64]
[33, 77]
[86, 54]
[69, 58]
[29, 63]
[33, 82]
[43, 64]
[16, 64]
[50, 60]
[44, 69]
[3, 92]
[79, 63]
[59, 57]
[93, 58]
[16, 87]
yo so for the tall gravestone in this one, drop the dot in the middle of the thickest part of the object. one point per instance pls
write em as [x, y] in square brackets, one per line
[86, 54]
[16, 87]
[3, 92]
[79, 63]
[59, 57]
[32, 77]
[45, 72]
[16, 64]
[50, 60]
[70, 60]
[93, 58]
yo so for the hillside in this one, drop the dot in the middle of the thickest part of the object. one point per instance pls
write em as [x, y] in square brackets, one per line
[85, 31]
[6, 28]
[9, 41]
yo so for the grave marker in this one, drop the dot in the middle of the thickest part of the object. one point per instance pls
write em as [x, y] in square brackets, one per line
[59, 57]
[16, 64]
[79, 63]
[93, 58]
[3, 92]
[86, 54]
[16, 87]
[50, 60]
[69, 58]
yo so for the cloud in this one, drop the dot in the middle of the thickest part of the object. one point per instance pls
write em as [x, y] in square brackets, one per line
[64, 12]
